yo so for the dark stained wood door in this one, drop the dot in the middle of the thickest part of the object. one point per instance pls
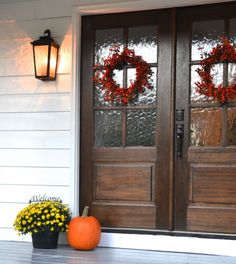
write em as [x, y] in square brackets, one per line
[126, 150]
[205, 177]
[132, 175]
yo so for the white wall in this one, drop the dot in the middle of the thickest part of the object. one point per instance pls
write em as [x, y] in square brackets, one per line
[35, 116]
[37, 119]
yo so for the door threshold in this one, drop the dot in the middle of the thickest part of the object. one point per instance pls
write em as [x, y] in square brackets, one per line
[169, 233]
[183, 242]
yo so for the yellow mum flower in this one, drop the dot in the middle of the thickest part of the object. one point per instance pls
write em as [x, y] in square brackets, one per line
[33, 218]
[58, 215]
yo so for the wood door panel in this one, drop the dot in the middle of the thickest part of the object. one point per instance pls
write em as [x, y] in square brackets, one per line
[212, 155]
[124, 182]
[211, 219]
[212, 183]
[126, 215]
[138, 154]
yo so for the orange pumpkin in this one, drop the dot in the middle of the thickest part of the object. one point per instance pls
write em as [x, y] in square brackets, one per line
[84, 232]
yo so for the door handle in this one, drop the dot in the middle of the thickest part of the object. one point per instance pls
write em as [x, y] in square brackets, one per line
[179, 140]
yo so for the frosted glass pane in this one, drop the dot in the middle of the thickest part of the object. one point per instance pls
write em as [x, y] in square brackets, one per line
[205, 36]
[217, 73]
[99, 92]
[195, 96]
[231, 72]
[149, 97]
[205, 127]
[231, 120]
[232, 30]
[118, 77]
[108, 126]
[105, 39]
[141, 127]
[232, 77]
[144, 42]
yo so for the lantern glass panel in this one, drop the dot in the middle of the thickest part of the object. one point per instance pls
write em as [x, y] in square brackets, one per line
[53, 62]
[41, 60]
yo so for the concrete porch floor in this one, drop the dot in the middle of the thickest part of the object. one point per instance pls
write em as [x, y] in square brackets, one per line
[22, 252]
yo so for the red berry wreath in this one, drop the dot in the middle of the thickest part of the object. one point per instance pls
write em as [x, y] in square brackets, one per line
[117, 60]
[222, 53]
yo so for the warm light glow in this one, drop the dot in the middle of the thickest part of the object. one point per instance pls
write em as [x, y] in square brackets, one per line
[41, 59]
[53, 62]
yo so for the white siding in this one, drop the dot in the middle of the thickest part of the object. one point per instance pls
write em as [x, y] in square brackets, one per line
[35, 116]
[35, 121]
[35, 176]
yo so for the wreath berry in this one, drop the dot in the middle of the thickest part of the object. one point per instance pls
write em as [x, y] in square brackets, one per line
[117, 60]
[224, 52]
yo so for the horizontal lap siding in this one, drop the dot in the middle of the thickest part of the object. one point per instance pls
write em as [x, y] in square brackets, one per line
[35, 139]
[23, 193]
[34, 176]
[35, 103]
[30, 85]
[35, 116]
[48, 121]
[35, 157]
[20, 62]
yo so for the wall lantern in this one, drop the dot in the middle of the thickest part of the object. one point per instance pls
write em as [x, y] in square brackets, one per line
[45, 52]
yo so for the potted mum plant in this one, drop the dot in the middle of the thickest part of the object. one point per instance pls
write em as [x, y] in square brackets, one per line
[43, 218]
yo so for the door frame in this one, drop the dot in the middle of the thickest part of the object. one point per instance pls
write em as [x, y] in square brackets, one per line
[78, 12]
[164, 242]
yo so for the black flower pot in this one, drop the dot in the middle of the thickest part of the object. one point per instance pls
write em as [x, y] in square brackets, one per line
[45, 239]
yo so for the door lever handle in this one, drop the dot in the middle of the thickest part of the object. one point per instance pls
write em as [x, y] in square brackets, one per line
[179, 140]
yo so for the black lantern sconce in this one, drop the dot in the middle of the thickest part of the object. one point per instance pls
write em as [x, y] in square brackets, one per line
[45, 52]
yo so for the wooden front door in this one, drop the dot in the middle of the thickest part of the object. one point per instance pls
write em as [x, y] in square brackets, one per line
[125, 150]
[157, 163]
[205, 194]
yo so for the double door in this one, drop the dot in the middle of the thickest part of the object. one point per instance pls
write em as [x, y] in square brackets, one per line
[167, 159]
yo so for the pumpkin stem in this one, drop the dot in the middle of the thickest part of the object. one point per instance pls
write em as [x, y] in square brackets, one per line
[85, 211]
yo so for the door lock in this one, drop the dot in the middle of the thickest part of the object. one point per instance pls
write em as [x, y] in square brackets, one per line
[179, 140]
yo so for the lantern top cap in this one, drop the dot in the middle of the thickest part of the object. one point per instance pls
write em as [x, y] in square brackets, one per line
[47, 32]
[45, 40]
